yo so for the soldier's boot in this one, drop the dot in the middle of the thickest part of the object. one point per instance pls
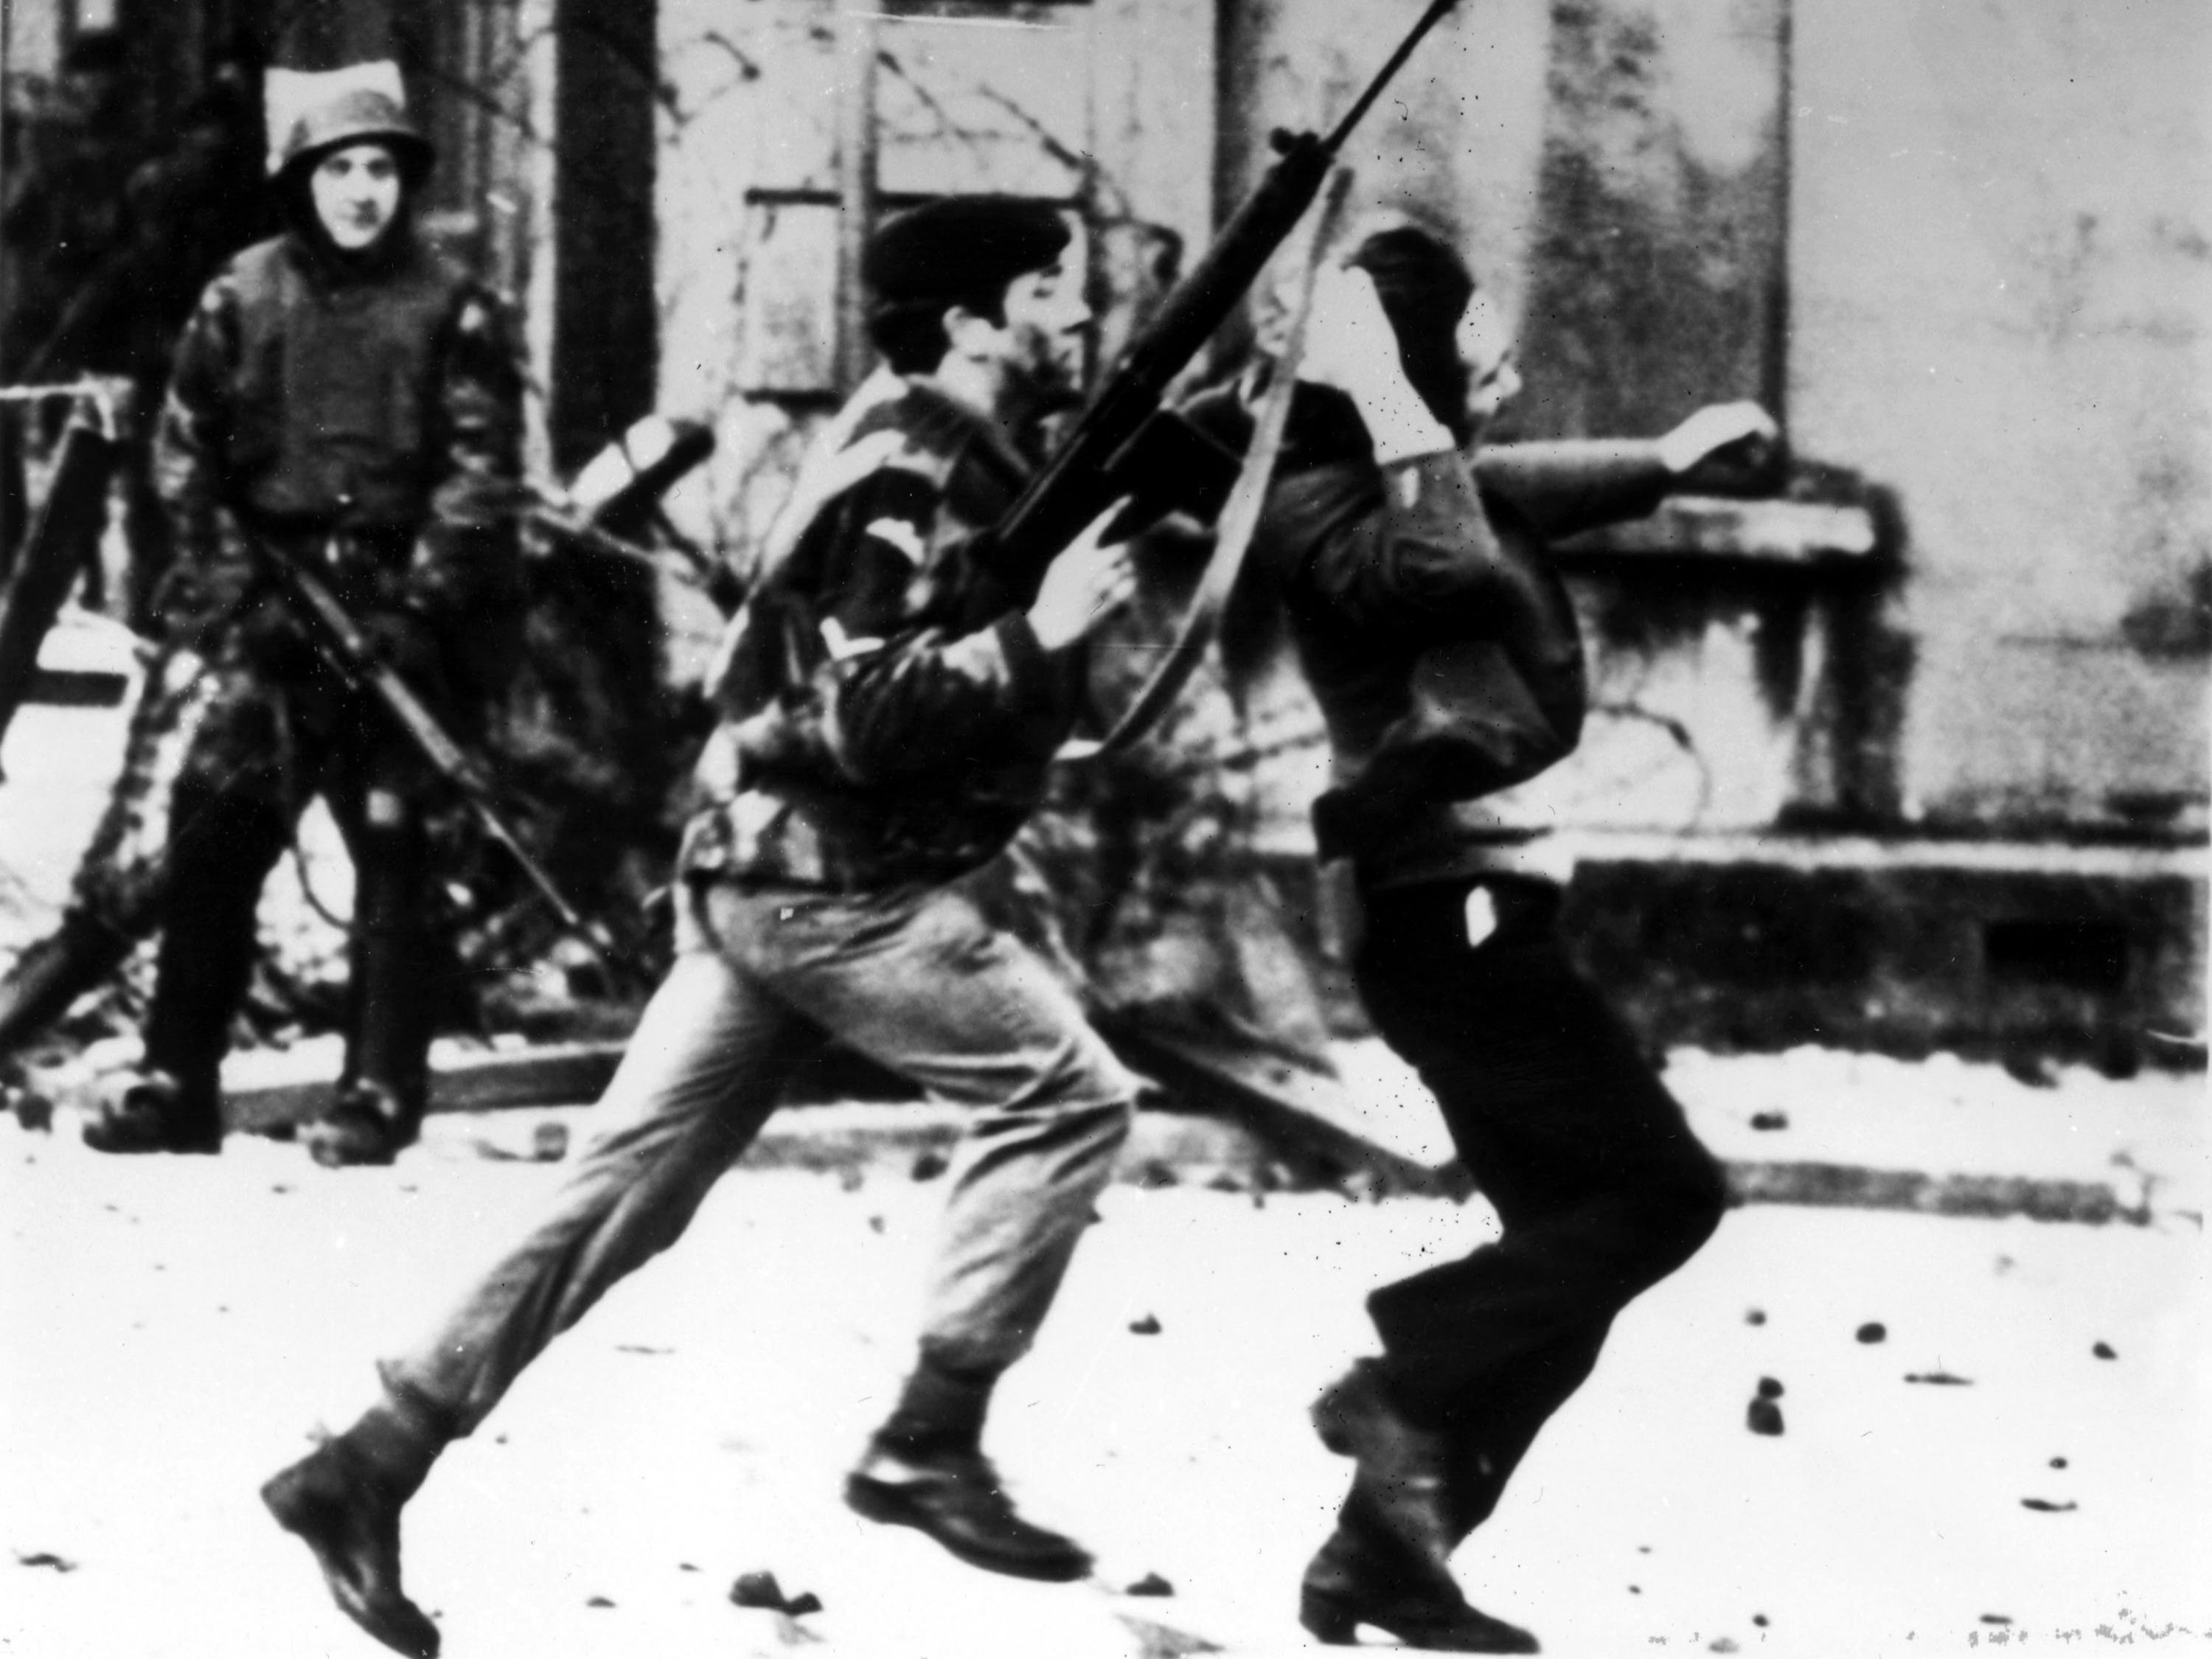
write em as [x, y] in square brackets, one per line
[367, 1124]
[143, 1111]
[925, 1468]
[394, 993]
[345, 1499]
[52, 974]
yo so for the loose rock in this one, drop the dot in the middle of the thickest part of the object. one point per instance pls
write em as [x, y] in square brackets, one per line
[930, 1164]
[1151, 1584]
[760, 1589]
[757, 1590]
[1148, 1326]
[2104, 1351]
[1873, 1331]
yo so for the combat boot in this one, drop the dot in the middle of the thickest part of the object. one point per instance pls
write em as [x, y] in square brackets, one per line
[369, 1124]
[153, 1111]
[956, 1498]
[347, 1512]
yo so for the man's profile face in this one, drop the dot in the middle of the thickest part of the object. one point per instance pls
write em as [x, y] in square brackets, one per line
[1485, 346]
[356, 194]
[1046, 314]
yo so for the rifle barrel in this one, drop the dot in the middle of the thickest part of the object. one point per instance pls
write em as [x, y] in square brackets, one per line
[1429, 19]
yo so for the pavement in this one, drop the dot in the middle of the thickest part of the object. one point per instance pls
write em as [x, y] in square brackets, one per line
[1984, 1300]
[1995, 1428]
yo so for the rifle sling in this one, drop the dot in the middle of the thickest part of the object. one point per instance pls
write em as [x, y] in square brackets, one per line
[1240, 519]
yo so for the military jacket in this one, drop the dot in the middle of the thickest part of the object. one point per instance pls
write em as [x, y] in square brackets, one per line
[378, 405]
[889, 716]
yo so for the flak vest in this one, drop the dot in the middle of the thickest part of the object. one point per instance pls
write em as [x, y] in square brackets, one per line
[332, 394]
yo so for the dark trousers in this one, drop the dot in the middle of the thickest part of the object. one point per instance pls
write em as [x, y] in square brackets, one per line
[1600, 1187]
[254, 758]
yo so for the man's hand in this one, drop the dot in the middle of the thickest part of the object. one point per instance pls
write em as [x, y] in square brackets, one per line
[1731, 441]
[1084, 585]
[1351, 345]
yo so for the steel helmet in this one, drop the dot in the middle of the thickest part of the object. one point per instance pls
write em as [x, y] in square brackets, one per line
[363, 106]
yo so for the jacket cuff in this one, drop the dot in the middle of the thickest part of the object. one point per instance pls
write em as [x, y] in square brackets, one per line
[1400, 425]
[1027, 665]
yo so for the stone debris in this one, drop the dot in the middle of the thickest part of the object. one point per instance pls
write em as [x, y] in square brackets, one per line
[1148, 1326]
[45, 1558]
[1770, 1121]
[1940, 1379]
[2104, 1351]
[1763, 1416]
[760, 1589]
[34, 1111]
[1151, 1584]
[1873, 1331]
[929, 1163]
[598, 1601]
[2046, 1506]
[1755, 1316]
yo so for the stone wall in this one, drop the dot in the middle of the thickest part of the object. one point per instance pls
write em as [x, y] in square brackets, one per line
[2001, 277]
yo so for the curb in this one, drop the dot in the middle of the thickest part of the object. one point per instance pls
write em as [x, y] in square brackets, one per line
[1242, 1122]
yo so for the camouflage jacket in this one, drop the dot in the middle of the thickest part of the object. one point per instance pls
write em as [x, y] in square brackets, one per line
[888, 715]
[381, 409]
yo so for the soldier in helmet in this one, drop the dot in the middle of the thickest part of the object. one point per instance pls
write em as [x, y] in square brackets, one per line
[344, 393]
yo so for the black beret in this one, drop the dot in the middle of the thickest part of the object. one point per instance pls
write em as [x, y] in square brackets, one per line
[1422, 283]
[962, 246]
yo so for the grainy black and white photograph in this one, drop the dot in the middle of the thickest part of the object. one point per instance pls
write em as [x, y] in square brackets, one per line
[1104, 829]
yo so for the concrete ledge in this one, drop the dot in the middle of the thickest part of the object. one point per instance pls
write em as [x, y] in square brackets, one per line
[1855, 1187]
[1264, 1125]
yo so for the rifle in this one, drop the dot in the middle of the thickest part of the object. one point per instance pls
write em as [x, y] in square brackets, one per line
[339, 642]
[1124, 438]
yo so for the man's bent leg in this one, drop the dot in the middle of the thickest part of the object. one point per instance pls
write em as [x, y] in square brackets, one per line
[701, 1074]
[926, 987]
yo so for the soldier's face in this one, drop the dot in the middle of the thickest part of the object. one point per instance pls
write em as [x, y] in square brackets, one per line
[357, 191]
[1046, 314]
[1485, 346]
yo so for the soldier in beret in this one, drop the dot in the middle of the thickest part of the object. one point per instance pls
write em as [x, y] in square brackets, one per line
[890, 705]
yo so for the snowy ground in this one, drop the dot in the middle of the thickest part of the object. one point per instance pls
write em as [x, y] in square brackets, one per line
[174, 1326]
